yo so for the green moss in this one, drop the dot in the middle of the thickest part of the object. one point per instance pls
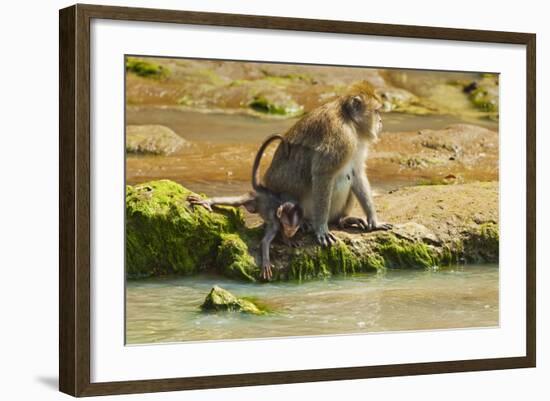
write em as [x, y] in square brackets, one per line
[484, 99]
[234, 260]
[482, 244]
[373, 262]
[221, 300]
[262, 104]
[164, 236]
[146, 69]
[325, 262]
[287, 77]
[401, 253]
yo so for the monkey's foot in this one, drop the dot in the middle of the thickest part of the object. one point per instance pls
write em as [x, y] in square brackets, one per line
[353, 222]
[326, 238]
[380, 226]
[196, 200]
[291, 242]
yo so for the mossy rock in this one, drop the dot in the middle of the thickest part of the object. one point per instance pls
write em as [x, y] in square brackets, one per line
[434, 226]
[276, 104]
[221, 300]
[484, 93]
[146, 69]
[234, 259]
[164, 235]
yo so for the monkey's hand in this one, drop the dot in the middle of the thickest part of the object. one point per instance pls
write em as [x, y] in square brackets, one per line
[196, 200]
[325, 238]
[266, 271]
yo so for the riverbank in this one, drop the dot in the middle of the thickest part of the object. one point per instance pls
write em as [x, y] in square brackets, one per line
[273, 90]
[434, 226]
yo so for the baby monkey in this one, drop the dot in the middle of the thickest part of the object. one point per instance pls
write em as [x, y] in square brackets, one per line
[280, 214]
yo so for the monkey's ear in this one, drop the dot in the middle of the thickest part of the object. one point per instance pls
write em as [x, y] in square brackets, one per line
[279, 211]
[356, 102]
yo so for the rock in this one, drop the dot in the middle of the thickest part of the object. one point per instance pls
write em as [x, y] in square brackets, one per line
[219, 299]
[435, 226]
[152, 139]
[276, 103]
[457, 153]
[485, 95]
[146, 68]
[164, 235]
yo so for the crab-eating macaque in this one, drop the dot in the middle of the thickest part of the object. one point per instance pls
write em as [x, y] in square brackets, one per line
[322, 164]
[280, 213]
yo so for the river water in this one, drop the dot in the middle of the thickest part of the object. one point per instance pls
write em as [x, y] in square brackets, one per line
[219, 159]
[168, 309]
[218, 162]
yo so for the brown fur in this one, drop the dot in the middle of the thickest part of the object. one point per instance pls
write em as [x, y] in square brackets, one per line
[324, 161]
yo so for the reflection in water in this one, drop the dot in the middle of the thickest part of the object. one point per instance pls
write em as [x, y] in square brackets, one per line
[167, 309]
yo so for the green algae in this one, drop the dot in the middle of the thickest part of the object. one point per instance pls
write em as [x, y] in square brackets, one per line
[146, 69]
[482, 244]
[165, 236]
[234, 260]
[401, 253]
[221, 300]
[325, 262]
[484, 100]
[264, 104]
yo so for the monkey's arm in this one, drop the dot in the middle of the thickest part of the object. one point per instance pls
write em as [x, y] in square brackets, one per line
[271, 230]
[362, 191]
[246, 200]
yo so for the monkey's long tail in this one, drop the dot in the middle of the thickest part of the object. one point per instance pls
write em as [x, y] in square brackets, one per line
[256, 166]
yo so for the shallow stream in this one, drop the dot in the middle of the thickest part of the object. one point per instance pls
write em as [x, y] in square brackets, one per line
[168, 309]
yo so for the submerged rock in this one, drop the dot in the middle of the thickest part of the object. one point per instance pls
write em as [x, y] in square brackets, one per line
[219, 299]
[152, 139]
[434, 226]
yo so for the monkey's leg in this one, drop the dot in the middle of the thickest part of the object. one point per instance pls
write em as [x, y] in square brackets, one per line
[246, 200]
[322, 193]
[270, 233]
[361, 189]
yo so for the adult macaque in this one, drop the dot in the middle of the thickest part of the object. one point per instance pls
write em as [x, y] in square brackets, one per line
[280, 214]
[324, 165]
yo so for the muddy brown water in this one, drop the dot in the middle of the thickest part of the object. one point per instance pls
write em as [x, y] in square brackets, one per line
[223, 146]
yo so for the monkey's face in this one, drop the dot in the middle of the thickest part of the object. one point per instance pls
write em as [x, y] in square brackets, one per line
[364, 113]
[290, 216]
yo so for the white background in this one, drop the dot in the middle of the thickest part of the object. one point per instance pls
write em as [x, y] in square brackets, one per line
[28, 200]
